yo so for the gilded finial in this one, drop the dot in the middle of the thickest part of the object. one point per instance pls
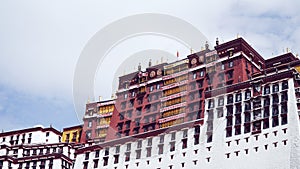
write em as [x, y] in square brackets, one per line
[206, 45]
[139, 67]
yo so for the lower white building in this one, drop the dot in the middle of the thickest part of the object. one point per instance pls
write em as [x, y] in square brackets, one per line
[35, 148]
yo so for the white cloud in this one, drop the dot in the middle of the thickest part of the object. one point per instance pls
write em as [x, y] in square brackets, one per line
[40, 42]
[40, 47]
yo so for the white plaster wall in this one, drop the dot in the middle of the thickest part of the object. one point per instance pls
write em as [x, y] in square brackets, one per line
[272, 158]
[79, 161]
[2, 151]
[294, 128]
[40, 137]
[57, 163]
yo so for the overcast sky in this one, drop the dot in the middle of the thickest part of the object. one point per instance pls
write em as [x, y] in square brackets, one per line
[40, 42]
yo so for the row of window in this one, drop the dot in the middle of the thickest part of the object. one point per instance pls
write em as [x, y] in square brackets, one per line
[256, 115]
[138, 111]
[104, 121]
[40, 151]
[173, 112]
[184, 77]
[253, 119]
[257, 126]
[139, 101]
[175, 80]
[257, 109]
[200, 74]
[43, 164]
[176, 69]
[74, 137]
[171, 123]
[105, 161]
[213, 68]
[275, 87]
[133, 93]
[175, 90]
[16, 139]
[238, 96]
[106, 109]
[230, 99]
[149, 124]
[139, 146]
[149, 142]
[137, 122]
[174, 101]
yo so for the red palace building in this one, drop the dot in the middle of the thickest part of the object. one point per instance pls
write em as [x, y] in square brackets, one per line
[170, 94]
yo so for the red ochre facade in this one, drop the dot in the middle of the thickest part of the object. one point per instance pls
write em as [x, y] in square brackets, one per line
[170, 94]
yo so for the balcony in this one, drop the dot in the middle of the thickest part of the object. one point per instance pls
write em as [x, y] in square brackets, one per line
[106, 114]
[174, 85]
[175, 75]
[178, 116]
[173, 96]
[173, 107]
